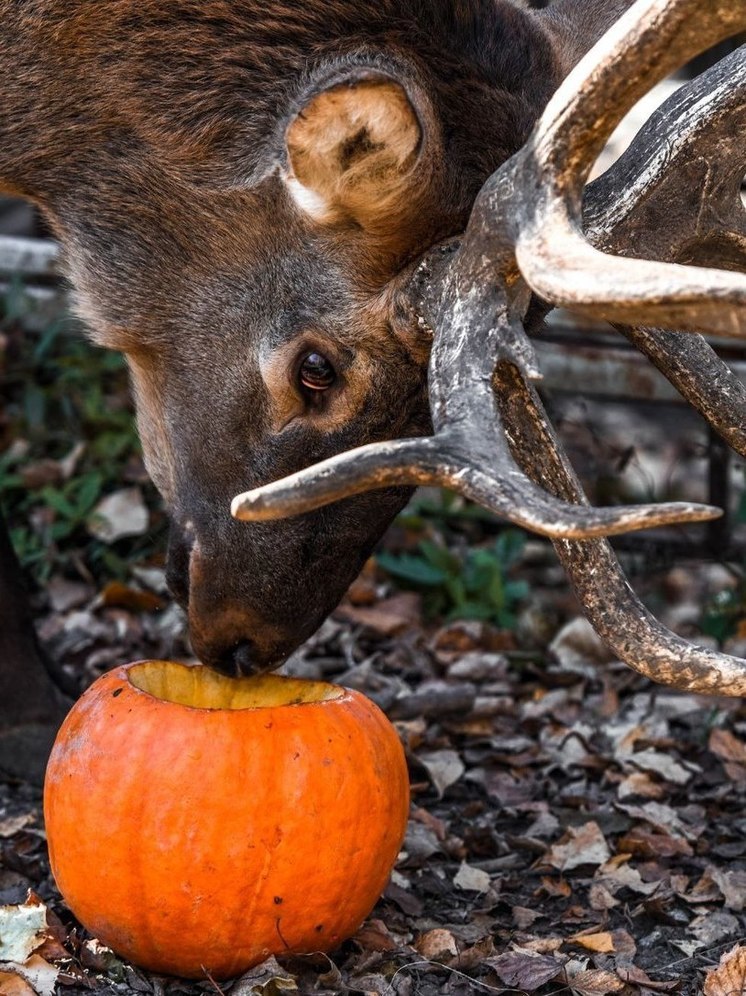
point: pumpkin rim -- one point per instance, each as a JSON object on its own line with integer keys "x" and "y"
{"x": 281, "y": 691}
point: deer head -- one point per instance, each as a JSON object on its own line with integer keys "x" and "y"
{"x": 242, "y": 192}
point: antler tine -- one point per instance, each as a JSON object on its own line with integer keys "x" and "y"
{"x": 553, "y": 255}
{"x": 698, "y": 373}
{"x": 442, "y": 461}
{"x": 632, "y": 292}
{"x": 399, "y": 463}
{"x": 608, "y": 600}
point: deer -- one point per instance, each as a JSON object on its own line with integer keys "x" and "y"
{"x": 243, "y": 193}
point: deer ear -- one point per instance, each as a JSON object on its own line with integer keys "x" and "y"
{"x": 351, "y": 152}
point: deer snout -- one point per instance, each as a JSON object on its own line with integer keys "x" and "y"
{"x": 238, "y": 656}
{"x": 229, "y": 631}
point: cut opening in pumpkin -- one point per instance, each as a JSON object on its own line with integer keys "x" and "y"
{"x": 201, "y": 688}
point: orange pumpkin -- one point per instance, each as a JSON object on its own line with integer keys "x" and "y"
{"x": 198, "y": 822}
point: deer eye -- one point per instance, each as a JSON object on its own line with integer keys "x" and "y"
{"x": 316, "y": 372}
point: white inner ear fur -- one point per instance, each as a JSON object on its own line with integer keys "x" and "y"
{"x": 351, "y": 151}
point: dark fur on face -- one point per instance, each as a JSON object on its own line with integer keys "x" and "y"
{"x": 171, "y": 145}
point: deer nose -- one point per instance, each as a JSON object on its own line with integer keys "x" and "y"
{"x": 249, "y": 649}
{"x": 240, "y": 660}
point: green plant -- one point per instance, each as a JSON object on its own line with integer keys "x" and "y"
{"x": 724, "y": 615}
{"x": 67, "y": 438}
{"x": 474, "y": 583}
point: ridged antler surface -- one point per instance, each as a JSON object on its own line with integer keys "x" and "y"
{"x": 655, "y": 228}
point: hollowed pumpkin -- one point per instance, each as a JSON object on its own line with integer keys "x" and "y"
{"x": 198, "y": 822}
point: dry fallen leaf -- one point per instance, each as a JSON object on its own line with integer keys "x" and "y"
{"x": 732, "y": 884}
{"x": 389, "y": 616}
{"x": 729, "y": 978}
{"x": 374, "y": 935}
{"x": 600, "y": 898}
{"x": 727, "y": 746}
{"x": 13, "y": 985}
{"x": 444, "y": 767}
{"x": 713, "y": 928}
{"x": 556, "y": 887}
{"x": 633, "y": 974}
{"x": 437, "y": 944}
{"x": 523, "y": 917}
{"x": 524, "y": 969}
{"x": 12, "y": 824}
{"x": 601, "y": 942}
{"x": 267, "y": 979}
{"x": 617, "y": 874}
{"x": 23, "y": 928}
{"x": 471, "y": 879}
{"x": 122, "y": 513}
{"x": 661, "y": 764}
{"x": 38, "y": 973}
{"x": 584, "y": 845}
{"x": 118, "y": 595}
{"x": 595, "y": 982}
{"x": 663, "y": 818}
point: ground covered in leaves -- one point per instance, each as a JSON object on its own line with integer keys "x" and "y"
{"x": 573, "y": 829}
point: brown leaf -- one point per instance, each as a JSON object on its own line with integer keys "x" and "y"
{"x": 40, "y": 473}
{"x": 601, "y": 898}
{"x": 729, "y": 978}
{"x": 427, "y": 819}
{"x": 595, "y": 982}
{"x": 524, "y": 969}
{"x": 584, "y": 845}
{"x": 38, "y": 973}
{"x": 118, "y": 595}
{"x": 437, "y": 944}
{"x": 524, "y": 918}
{"x": 444, "y": 767}
{"x": 93, "y": 954}
{"x": 471, "y": 879}
{"x": 473, "y": 957}
{"x": 122, "y": 513}
{"x": 712, "y": 928}
{"x": 732, "y": 884}
{"x": 633, "y": 974}
{"x": 556, "y": 887}
{"x": 374, "y": 935}
{"x": 663, "y": 818}
{"x": 727, "y": 746}
{"x": 601, "y": 942}
{"x": 640, "y": 784}
{"x": 13, "y": 985}
{"x": 267, "y": 979}
{"x": 388, "y": 617}
{"x": 12, "y": 824}
{"x": 653, "y": 845}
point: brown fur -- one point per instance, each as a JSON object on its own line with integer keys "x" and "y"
{"x": 152, "y": 133}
